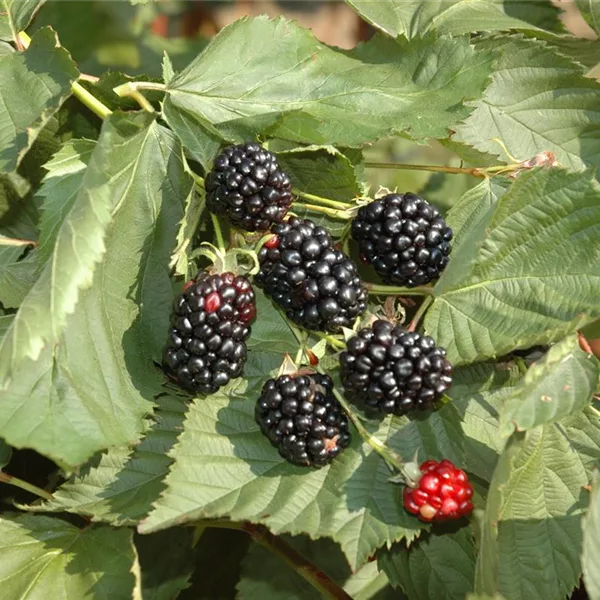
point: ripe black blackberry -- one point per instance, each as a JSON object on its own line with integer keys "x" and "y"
{"x": 210, "y": 323}
{"x": 394, "y": 370}
{"x": 247, "y": 186}
{"x": 302, "y": 419}
{"x": 404, "y": 238}
{"x": 316, "y": 284}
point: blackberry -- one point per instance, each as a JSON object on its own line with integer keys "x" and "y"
{"x": 317, "y": 285}
{"x": 302, "y": 419}
{"x": 247, "y": 186}
{"x": 404, "y": 238}
{"x": 442, "y": 493}
{"x": 209, "y": 326}
{"x": 393, "y": 370}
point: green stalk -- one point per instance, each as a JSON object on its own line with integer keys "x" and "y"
{"x": 390, "y": 290}
{"x": 129, "y": 90}
{"x": 24, "y": 485}
{"x": 322, "y": 201}
{"x": 314, "y": 576}
{"x": 330, "y": 212}
{"x": 420, "y": 312}
{"x": 218, "y": 233}
{"x": 334, "y": 343}
{"x": 480, "y": 172}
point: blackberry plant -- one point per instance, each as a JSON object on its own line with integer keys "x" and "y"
{"x": 119, "y": 146}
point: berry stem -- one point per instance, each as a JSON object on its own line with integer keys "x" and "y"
{"x": 24, "y": 485}
{"x": 333, "y": 342}
{"x": 392, "y": 458}
{"x": 322, "y": 201}
{"x": 420, "y": 312}
{"x": 199, "y": 180}
{"x": 330, "y": 212}
{"x": 218, "y": 233}
{"x": 390, "y": 290}
{"x": 87, "y": 99}
{"x": 261, "y": 535}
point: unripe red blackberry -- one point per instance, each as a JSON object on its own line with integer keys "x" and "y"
{"x": 394, "y": 370}
{"x": 209, "y": 326}
{"x": 404, "y": 238}
{"x": 302, "y": 419}
{"x": 317, "y": 285}
{"x": 442, "y": 493}
{"x": 247, "y": 186}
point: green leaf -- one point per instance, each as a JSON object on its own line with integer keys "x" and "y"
{"x": 413, "y": 18}
{"x": 43, "y": 557}
{"x": 590, "y": 10}
{"x": 95, "y": 380}
{"x": 15, "y": 16}
{"x": 538, "y": 101}
{"x": 60, "y": 189}
{"x": 5, "y": 449}
{"x": 293, "y": 87}
{"x": 120, "y": 485}
{"x": 438, "y": 565}
{"x": 266, "y": 577}
{"x": 514, "y": 286}
{"x": 479, "y": 393}
{"x": 534, "y": 511}
{"x": 224, "y": 466}
{"x": 563, "y": 382}
{"x": 16, "y": 276}
{"x": 166, "y": 563}
{"x": 591, "y": 543}
{"x": 5, "y": 321}
{"x": 33, "y": 85}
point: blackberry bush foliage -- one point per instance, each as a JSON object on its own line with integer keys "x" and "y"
{"x": 182, "y": 335}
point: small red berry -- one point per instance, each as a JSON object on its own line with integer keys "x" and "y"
{"x": 212, "y": 303}
{"x": 443, "y": 492}
{"x": 188, "y": 285}
{"x": 272, "y": 242}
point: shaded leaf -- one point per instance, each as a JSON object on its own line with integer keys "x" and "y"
{"x": 15, "y": 16}
{"x": 16, "y": 276}
{"x": 166, "y": 563}
{"x": 591, "y": 543}
{"x": 439, "y": 565}
{"x": 538, "y": 101}
{"x": 96, "y": 381}
{"x": 44, "y": 557}
{"x": 5, "y": 449}
{"x": 295, "y": 88}
{"x": 43, "y": 73}
{"x": 531, "y": 539}
{"x": 266, "y": 577}
{"x": 413, "y": 18}
{"x": 563, "y": 382}
{"x": 520, "y": 287}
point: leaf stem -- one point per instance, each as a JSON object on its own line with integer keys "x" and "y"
{"x": 391, "y": 457}
{"x": 481, "y": 172}
{"x": 142, "y": 85}
{"x": 87, "y": 99}
{"x": 390, "y": 290}
{"x": 322, "y": 201}
{"x": 333, "y": 342}
{"x": 24, "y": 485}
{"x": 420, "y": 312}
{"x": 6, "y": 241}
{"x": 198, "y": 179}
{"x": 128, "y": 90}
{"x": 218, "y": 233}
{"x": 330, "y": 212}
{"x": 260, "y": 534}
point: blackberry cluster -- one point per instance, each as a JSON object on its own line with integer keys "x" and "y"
{"x": 302, "y": 419}
{"x": 404, "y": 238}
{"x": 209, "y": 326}
{"x": 247, "y": 186}
{"x": 393, "y": 370}
{"x": 316, "y": 284}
